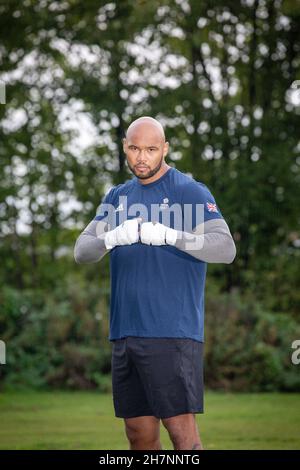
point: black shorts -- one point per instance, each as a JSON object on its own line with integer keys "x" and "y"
{"x": 161, "y": 377}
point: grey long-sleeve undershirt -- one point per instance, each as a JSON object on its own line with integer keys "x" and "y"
{"x": 210, "y": 242}
{"x": 90, "y": 246}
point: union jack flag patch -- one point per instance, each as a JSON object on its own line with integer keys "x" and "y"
{"x": 211, "y": 207}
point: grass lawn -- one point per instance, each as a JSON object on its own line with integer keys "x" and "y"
{"x": 85, "y": 420}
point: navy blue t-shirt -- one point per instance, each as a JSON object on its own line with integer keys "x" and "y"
{"x": 158, "y": 291}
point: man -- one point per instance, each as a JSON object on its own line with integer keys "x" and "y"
{"x": 158, "y": 270}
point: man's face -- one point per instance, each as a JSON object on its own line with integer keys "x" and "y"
{"x": 145, "y": 151}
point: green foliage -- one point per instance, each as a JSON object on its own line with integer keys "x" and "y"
{"x": 56, "y": 338}
{"x": 248, "y": 348}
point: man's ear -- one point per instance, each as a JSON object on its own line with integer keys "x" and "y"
{"x": 124, "y": 142}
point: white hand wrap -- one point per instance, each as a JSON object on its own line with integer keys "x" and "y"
{"x": 154, "y": 233}
{"x": 125, "y": 234}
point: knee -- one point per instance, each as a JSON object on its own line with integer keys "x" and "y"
{"x": 177, "y": 438}
{"x": 137, "y": 435}
{"x": 175, "y": 429}
{"x": 133, "y": 434}
{"x": 181, "y": 431}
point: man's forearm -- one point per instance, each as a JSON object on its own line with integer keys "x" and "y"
{"x": 90, "y": 246}
{"x": 215, "y": 245}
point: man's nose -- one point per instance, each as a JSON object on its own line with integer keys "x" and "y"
{"x": 141, "y": 158}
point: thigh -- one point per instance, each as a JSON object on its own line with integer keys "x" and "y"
{"x": 129, "y": 396}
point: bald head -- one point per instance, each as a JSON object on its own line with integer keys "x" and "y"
{"x": 146, "y": 124}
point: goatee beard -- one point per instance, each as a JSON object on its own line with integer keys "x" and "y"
{"x": 151, "y": 172}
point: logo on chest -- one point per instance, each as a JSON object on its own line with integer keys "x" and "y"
{"x": 164, "y": 204}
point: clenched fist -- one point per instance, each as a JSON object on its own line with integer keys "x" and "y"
{"x": 154, "y": 233}
{"x": 125, "y": 234}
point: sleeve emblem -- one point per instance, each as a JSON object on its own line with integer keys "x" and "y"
{"x": 211, "y": 207}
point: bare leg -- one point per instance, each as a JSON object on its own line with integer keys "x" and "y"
{"x": 183, "y": 432}
{"x": 143, "y": 433}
